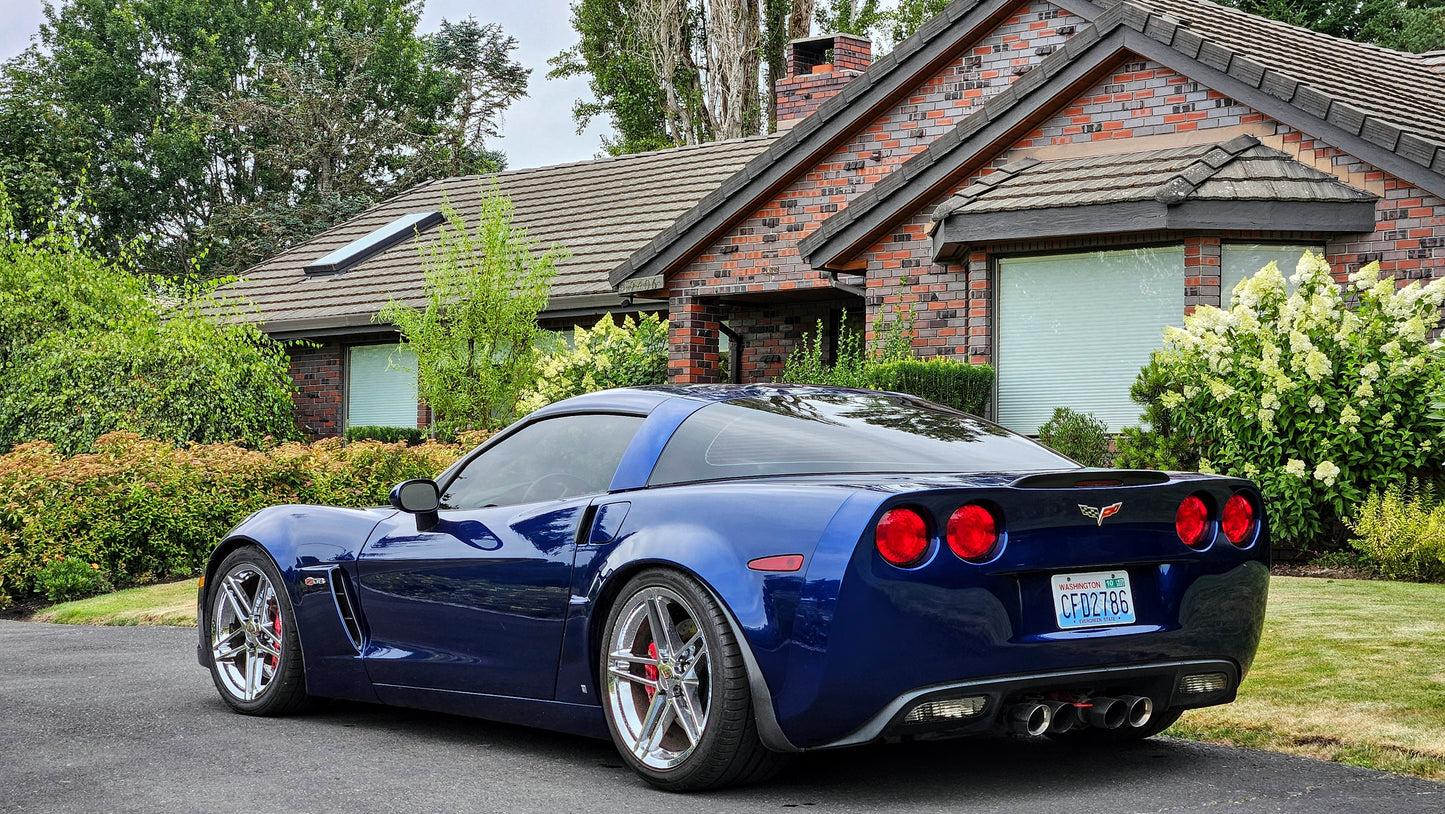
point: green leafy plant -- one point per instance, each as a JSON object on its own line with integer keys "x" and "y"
{"x": 476, "y": 339}
{"x": 607, "y": 355}
{"x": 144, "y": 510}
{"x": 853, "y": 363}
{"x": 411, "y": 436}
{"x": 1400, "y": 532}
{"x": 1080, "y": 436}
{"x": 889, "y": 365}
{"x": 62, "y": 579}
{"x": 951, "y": 383}
{"x": 88, "y": 347}
{"x": 1315, "y": 400}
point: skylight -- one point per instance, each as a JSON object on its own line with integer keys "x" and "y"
{"x": 378, "y": 241}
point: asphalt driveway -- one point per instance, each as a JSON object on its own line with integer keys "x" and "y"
{"x": 122, "y": 719}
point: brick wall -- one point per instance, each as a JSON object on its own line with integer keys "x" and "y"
{"x": 318, "y": 375}
{"x": 760, "y": 254}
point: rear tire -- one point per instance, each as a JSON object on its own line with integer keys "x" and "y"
{"x": 255, "y": 651}
{"x": 675, "y": 688}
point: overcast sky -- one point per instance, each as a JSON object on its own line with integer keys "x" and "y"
{"x": 538, "y": 129}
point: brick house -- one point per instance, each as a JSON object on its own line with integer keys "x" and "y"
{"x": 1046, "y": 185}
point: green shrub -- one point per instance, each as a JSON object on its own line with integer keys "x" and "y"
{"x": 1080, "y": 436}
{"x": 608, "y": 355}
{"x": 63, "y": 579}
{"x": 411, "y": 436}
{"x": 1400, "y": 532}
{"x": 1315, "y": 401}
{"x": 87, "y": 347}
{"x": 475, "y": 339}
{"x": 955, "y": 384}
{"x": 145, "y": 510}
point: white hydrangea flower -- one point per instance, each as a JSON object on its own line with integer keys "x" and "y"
{"x": 1349, "y": 417}
{"x": 1295, "y": 467}
{"x": 1364, "y": 391}
{"x": 1370, "y": 371}
{"x": 1366, "y": 276}
{"x": 1219, "y": 389}
{"x": 1317, "y": 365}
{"x": 1412, "y": 330}
{"x": 1327, "y": 472}
{"x": 1387, "y": 421}
{"x": 1171, "y": 399}
{"x": 1317, "y": 403}
{"x": 1269, "y": 401}
{"x": 1266, "y": 421}
{"x": 1206, "y": 467}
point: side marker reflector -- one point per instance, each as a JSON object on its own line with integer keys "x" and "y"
{"x": 779, "y": 562}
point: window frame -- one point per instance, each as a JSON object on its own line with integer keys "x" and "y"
{"x": 346, "y": 388}
{"x": 994, "y": 269}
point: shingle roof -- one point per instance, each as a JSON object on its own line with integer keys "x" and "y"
{"x": 601, "y": 210}
{"x": 1238, "y": 170}
{"x": 1394, "y": 86}
{"x": 1195, "y": 36}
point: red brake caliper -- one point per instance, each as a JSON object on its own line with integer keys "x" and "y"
{"x": 276, "y": 626}
{"x": 650, "y": 670}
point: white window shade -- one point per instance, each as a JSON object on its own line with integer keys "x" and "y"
{"x": 1241, "y": 260}
{"x": 381, "y": 386}
{"x": 1073, "y": 331}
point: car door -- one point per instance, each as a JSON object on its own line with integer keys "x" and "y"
{"x": 477, "y": 603}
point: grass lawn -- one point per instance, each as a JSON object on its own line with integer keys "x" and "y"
{"x": 1349, "y": 670}
{"x": 173, "y": 603}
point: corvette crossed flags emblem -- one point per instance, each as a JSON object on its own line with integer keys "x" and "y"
{"x": 1100, "y": 513}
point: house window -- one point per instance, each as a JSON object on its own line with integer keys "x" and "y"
{"x": 1073, "y": 331}
{"x": 1241, "y": 260}
{"x": 381, "y": 386}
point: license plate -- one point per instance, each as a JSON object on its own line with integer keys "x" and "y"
{"x": 1093, "y": 599}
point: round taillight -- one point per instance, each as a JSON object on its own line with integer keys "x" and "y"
{"x": 1237, "y": 519}
{"x": 902, "y": 537}
{"x": 1192, "y": 521}
{"x": 972, "y": 532}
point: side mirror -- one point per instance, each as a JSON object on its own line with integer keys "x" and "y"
{"x": 420, "y": 497}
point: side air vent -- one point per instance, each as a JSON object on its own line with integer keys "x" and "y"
{"x": 344, "y": 607}
{"x": 1091, "y": 479}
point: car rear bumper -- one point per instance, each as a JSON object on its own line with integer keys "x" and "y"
{"x": 1167, "y": 683}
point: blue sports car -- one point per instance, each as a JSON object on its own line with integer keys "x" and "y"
{"x": 717, "y": 576}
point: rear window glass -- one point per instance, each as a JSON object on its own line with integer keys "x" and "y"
{"x": 818, "y": 434}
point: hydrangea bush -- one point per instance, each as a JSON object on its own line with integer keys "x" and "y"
{"x": 1318, "y": 395}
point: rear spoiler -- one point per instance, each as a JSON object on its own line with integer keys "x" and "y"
{"x": 1091, "y": 479}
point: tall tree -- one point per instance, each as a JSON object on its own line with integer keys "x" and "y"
{"x": 856, "y": 17}
{"x": 228, "y": 129}
{"x": 674, "y": 72}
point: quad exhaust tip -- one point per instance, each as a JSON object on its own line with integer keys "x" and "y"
{"x": 1029, "y": 718}
{"x": 1141, "y": 709}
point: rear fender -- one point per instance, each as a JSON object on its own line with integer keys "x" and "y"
{"x": 320, "y": 543}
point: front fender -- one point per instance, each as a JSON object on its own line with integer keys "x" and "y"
{"x": 323, "y": 541}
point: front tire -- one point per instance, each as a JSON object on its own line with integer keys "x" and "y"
{"x": 255, "y": 652}
{"x": 675, "y": 688}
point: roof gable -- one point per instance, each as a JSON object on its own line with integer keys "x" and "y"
{"x": 1130, "y": 28}
{"x": 813, "y": 138}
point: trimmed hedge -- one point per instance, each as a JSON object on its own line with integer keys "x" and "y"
{"x": 141, "y": 511}
{"x": 954, "y": 384}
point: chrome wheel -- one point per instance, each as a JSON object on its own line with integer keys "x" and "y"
{"x": 246, "y": 632}
{"x": 658, "y": 677}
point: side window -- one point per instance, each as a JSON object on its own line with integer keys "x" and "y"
{"x": 555, "y": 458}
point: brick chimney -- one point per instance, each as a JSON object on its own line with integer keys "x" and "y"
{"x": 819, "y": 67}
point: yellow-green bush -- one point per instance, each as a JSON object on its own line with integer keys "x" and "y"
{"x": 1400, "y": 531}
{"x": 145, "y": 510}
